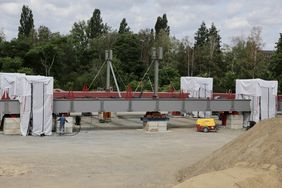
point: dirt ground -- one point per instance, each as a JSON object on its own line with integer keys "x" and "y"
{"x": 119, "y": 154}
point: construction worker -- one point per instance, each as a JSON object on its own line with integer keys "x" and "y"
{"x": 62, "y": 120}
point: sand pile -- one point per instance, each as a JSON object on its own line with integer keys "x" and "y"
{"x": 258, "y": 152}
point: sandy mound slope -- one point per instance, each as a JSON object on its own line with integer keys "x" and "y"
{"x": 257, "y": 150}
{"x": 234, "y": 177}
{"x": 12, "y": 170}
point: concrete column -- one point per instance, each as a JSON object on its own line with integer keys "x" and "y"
{"x": 108, "y": 58}
{"x": 157, "y": 55}
{"x": 108, "y": 76}
{"x": 156, "y": 80}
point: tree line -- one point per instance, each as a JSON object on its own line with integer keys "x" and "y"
{"x": 76, "y": 58}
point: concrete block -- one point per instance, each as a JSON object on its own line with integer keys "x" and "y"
{"x": 235, "y": 121}
{"x": 12, "y": 126}
{"x": 86, "y": 120}
{"x": 155, "y": 126}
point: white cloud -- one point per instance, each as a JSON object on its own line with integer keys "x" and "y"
{"x": 234, "y": 7}
{"x": 232, "y": 18}
{"x": 237, "y": 23}
{"x": 10, "y": 8}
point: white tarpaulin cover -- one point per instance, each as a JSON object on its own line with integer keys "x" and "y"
{"x": 35, "y": 94}
{"x": 42, "y": 103}
{"x": 263, "y": 96}
{"x": 25, "y": 110}
{"x": 8, "y": 83}
{"x": 198, "y": 87}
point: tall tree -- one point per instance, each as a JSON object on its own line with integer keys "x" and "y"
{"x": 184, "y": 57}
{"x": 161, "y": 24}
{"x": 95, "y": 26}
{"x": 147, "y": 41}
{"x": 215, "y": 66}
{"x": 201, "y": 52}
{"x": 165, "y": 27}
{"x": 123, "y": 27}
{"x": 164, "y": 41}
{"x": 238, "y": 58}
{"x": 44, "y": 33}
{"x": 2, "y": 35}
{"x": 254, "y": 47}
{"x": 201, "y": 36}
{"x": 26, "y": 27}
{"x": 214, "y": 41}
{"x": 127, "y": 49}
{"x": 276, "y": 63}
{"x": 79, "y": 35}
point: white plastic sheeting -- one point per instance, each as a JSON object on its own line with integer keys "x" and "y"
{"x": 25, "y": 110}
{"x": 198, "y": 87}
{"x": 263, "y": 95}
{"x": 41, "y": 90}
{"x": 35, "y": 94}
{"x": 8, "y": 83}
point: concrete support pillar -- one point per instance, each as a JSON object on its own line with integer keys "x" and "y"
{"x": 108, "y": 78}
{"x": 157, "y": 55}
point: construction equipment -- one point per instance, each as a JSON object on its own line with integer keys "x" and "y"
{"x": 154, "y": 116}
{"x": 206, "y": 125}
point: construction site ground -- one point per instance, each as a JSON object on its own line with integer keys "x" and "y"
{"x": 104, "y": 155}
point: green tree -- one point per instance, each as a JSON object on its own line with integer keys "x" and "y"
{"x": 26, "y": 70}
{"x": 276, "y": 63}
{"x": 79, "y": 35}
{"x": 147, "y": 39}
{"x": 216, "y": 68}
{"x": 9, "y": 64}
{"x": 26, "y": 27}
{"x": 15, "y": 48}
{"x": 46, "y": 55}
{"x": 213, "y": 42}
{"x": 2, "y": 36}
{"x": 44, "y": 33}
{"x": 201, "y": 51}
{"x": 95, "y": 26}
{"x": 169, "y": 78}
{"x": 244, "y": 60}
{"x": 127, "y": 49}
{"x": 123, "y": 27}
{"x": 163, "y": 40}
{"x": 208, "y": 56}
{"x": 201, "y": 36}
{"x": 254, "y": 46}
{"x": 184, "y": 57}
{"x": 161, "y": 24}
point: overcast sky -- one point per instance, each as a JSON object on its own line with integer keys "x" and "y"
{"x": 231, "y": 17}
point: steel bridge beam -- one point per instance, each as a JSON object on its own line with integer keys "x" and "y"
{"x": 135, "y": 105}
{"x": 141, "y": 105}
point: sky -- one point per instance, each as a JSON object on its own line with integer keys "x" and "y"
{"x": 233, "y": 18}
